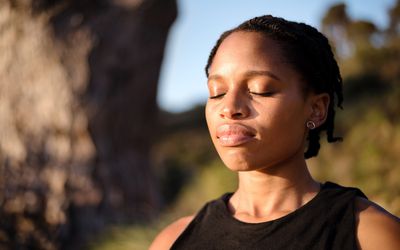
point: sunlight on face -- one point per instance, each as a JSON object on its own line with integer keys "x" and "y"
{"x": 256, "y": 111}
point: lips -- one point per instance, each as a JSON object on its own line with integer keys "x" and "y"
{"x": 231, "y": 135}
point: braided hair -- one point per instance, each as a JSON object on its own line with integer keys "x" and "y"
{"x": 309, "y": 52}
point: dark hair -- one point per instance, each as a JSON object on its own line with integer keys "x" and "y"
{"x": 309, "y": 52}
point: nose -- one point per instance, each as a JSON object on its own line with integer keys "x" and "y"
{"x": 235, "y": 106}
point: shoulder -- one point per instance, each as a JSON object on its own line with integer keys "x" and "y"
{"x": 376, "y": 228}
{"x": 167, "y": 237}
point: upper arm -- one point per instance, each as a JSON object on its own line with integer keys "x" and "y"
{"x": 167, "y": 237}
{"x": 376, "y": 228}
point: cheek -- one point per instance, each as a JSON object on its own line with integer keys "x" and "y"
{"x": 289, "y": 111}
{"x": 279, "y": 113}
{"x": 210, "y": 117}
{"x": 284, "y": 122}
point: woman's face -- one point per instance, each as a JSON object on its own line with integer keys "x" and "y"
{"x": 256, "y": 113}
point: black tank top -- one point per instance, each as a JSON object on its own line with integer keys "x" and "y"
{"x": 325, "y": 222}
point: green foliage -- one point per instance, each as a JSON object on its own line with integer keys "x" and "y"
{"x": 178, "y": 158}
{"x": 125, "y": 237}
{"x": 394, "y": 15}
{"x": 336, "y": 14}
{"x": 210, "y": 182}
{"x": 368, "y": 157}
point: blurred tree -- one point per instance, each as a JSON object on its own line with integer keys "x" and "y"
{"x": 360, "y": 45}
{"x": 392, "y": 48}
{"x": 336, "y": 15}
{"x": 368, "y": 157}
{"x": 394, "y": 17}
{"x": 78, "y": 116}
{"x": 360, "y": 32}
{"x": 334, "y": 25}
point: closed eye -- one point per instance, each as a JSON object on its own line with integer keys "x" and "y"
{"x": 217, "y": 96}
{"x": 266, "y": 94}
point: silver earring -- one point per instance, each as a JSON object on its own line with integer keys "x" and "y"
{"x": 311, "y": 125}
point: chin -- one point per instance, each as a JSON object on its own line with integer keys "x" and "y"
{"x": 238, "y": 165}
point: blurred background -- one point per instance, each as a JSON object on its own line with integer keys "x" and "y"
{"x": 103, "y": 140}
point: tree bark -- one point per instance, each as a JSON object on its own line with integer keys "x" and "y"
{"x": 78, "y": 85}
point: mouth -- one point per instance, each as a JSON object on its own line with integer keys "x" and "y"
{"x": 231, "y": 135}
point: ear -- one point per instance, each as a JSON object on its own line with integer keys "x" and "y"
{"x": 319, "y": 108}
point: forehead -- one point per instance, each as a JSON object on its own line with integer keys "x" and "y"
{"x": 252, "y": 49}
{"x": 248, "y": 51}
{"x": 251, "y": 39}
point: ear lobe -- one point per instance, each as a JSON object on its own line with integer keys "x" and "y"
{"x": 319, "y": 106}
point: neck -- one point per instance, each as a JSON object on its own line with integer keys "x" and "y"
{"x": 272, "y": 192}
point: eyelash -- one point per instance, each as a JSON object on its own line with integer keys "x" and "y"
{"x": 217, "y": 96}
{"x": 266, "y": 94}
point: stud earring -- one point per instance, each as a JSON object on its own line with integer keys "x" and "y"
{"x": 311, "y": 125}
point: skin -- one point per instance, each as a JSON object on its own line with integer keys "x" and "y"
{"x": 263, "y": 138}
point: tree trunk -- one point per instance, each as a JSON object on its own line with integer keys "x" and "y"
{"x": 78, "y": 85}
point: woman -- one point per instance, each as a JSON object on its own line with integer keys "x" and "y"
{"x": 273, "y": 87}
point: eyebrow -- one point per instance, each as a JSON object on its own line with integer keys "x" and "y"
{"x": 250, "y": 74}
{"x": 253, "y": 73}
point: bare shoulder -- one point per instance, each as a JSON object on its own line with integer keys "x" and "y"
{"x": 167, "y": 237}
{"x": 376, "y": 228}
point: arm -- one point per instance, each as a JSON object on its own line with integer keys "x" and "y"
{"x": 167, "y": 237}
{"x": 376, "y": 228}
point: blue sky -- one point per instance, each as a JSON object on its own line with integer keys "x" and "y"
{"x": 200, "y": 22}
